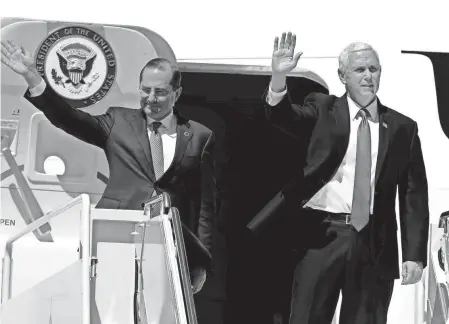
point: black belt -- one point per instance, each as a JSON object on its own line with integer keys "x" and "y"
{"x": 340, "y": 218}
{"x": 331, "y": 217}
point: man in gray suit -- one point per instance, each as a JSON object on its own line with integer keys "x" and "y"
{"x": 149, "y": 150}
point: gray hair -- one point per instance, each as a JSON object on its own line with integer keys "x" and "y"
{"x": 353, "y": 47}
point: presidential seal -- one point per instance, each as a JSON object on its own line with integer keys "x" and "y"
{"x": 78, "y": 64}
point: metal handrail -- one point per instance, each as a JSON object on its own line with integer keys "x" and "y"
{"x": 85, "y": 251}
{"x": 30, "y": 200}
{"x": 183, "y": 267}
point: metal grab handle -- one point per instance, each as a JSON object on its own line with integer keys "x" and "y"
{"x": 443, "y": 223}
{"x": 183, "y": 266}
{"x": 164, "y": 200}
{"x": 442, "y": 253}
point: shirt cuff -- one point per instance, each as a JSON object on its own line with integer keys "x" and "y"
{"x": 273, "y": 98}
{"x": 38, "y": 90}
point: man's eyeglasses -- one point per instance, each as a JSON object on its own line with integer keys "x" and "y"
{"x": 158, "y": 92}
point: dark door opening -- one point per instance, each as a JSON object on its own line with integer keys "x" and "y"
{"x": 253, "y": 161}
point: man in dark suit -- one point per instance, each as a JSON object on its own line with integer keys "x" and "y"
{"x": 149, "y": 150}
{"x": 342, "y": 221}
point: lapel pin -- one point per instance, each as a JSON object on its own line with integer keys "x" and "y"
{"x": 384, "y": 125}
{"x": 186, "y": 133}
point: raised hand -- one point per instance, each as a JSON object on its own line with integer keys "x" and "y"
{"x": 20, "y": 61}
{"x": 283, "y": 61}
{"x": 17, "y": 58}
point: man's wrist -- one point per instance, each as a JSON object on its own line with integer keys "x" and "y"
{"x": 419, "y": 263}
{"x": 278, "y": 82}
{"x": 32, "y": 78}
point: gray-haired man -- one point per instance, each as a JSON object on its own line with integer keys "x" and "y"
{"x": 343, "y": 220}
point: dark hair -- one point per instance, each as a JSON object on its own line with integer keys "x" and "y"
{"x": 162, "y": 63}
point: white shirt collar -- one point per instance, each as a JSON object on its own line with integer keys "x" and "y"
{"x": 169, "y": 122}
{"x": 354, "y": 109}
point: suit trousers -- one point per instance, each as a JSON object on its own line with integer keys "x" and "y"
{"x": 333, "y": 257}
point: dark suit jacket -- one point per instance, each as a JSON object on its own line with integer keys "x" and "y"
{"x": 323, "y": 125}
{"x": 122, "y": 134}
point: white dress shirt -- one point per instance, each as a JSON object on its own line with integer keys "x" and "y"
{"x": 167, "y": 129}
{"x": 336, "y": 195}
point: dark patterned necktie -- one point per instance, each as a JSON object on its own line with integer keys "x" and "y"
{"x": 362, "y": 180}
{"x": 157, "y": 154}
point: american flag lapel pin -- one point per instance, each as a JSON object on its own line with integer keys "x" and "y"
{"x": 384, "y": 124}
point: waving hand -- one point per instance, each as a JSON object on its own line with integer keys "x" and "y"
{"x": 19, "y": 60}
{"x": 284, "y": 60}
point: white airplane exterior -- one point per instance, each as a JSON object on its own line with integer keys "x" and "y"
{"x": 55, "y": 168}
